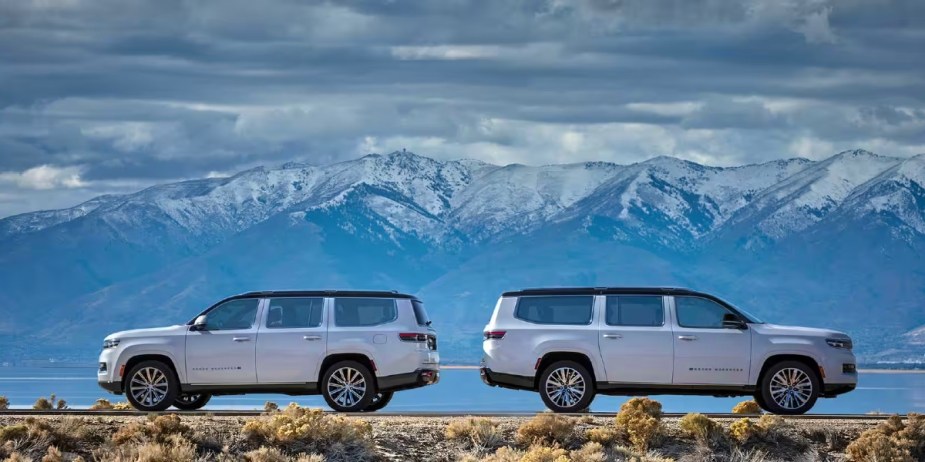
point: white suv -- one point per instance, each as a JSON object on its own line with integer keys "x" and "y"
{"x": 571, "y": 343}
{"x": 355, "y": 348}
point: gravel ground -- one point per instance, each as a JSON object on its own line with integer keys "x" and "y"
{"x": 422, "y": 438}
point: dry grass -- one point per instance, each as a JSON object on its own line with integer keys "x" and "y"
{"x": 302, "y": 430}
{"x": 747, "y": 407}
{"x": 158, "y": 429}
{"x": 265, "y": 454}
{"x": 172, "y": 448}
{"x": 894, "y": 440}
{"x": 546, "y": 428}
{"x": 477, "y": 433}
{"x": 103, "y": 404}
{"x": 35, "y": 435}
{"x": 590, "y": 452}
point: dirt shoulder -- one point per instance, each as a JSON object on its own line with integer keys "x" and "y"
{"x": 422, "y": 438}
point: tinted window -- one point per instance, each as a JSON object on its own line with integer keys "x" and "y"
{"x": 233, "y": 315}
{"x": 363, "y": 311}
{"x": 699, "y": 312}
{"x": 555, "y": 310}
{"x": 294, "y": 312}
{"x": 419, "y": 313}
{"x": 635, "y": 310}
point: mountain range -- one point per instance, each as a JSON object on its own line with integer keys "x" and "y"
{"x": 837, "y": 242}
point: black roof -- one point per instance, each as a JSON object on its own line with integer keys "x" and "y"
{"x": 326, "y": 293}
{"x": 604, "y": 291}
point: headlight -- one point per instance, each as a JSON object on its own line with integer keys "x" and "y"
{"x": 841, "y": 343}
{"x": 110, "y": 343}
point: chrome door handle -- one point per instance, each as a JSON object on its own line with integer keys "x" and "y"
{"x": 311, "y": 337}
{"x": 241, "y": 339}
{"x": 613, "y": 336}
{"x": 687, "y": 337}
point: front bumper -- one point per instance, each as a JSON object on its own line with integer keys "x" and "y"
{"x": 112, "y": 387}
{"x": 416, "y": 379}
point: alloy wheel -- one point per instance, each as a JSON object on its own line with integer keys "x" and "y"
{"x": 149, "y": 386}
{"x": 565, "y": 387}
{"x": 791, "y": 388}
{"x": 346, "y": 386}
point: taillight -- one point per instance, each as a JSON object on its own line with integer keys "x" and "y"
{"x": 495, "y": 334}
{"x": 412, "y": 337}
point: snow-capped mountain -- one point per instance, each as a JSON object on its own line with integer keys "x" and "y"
{"x": 833, "y": 242}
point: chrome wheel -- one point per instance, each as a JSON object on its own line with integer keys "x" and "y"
{"x": 346, "y": 386}
{"x": 149, "y": 386}
{"x": 565, "y": 387}
{"x": 791, "y": 388}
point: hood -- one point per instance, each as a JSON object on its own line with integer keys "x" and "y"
{"x": 798, "y": 331}
{"x": 155, "y": 331}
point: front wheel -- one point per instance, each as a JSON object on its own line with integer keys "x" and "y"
{"x": 348, "y": 387}
{"x": 380, "y": 401}
{"x": 566, "y": 386}
{"x": 151, "y": 386}
{"x": 789, "y": 388}
{"x": 191, "y": 401}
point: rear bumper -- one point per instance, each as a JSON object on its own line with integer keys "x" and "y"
{"x": 416, "y": 379}
{"x": 497, "y": 379}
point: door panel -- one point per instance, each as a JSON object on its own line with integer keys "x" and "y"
{"x": 635, "y": 340}
{"x": 223, "y": 354}
{"x": 705, "y": 353}
{"x": 292, "y": 340}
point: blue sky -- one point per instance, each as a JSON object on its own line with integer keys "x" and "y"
{"x": 109, "y": 96}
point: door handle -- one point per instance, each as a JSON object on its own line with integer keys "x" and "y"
{"x": 311, "y": 337}
{"x": 687, "y": 337}
{"x": 241, "y": 339}
{"x": 613, "y": 336}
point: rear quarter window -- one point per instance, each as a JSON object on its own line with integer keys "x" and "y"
{"x": 359, "y": 312}
{"x": 556, "y": 309}
{"x": 420, "y": 314}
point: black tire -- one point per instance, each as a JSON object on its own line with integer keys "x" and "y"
{"x": 163, "y": 390}
{"x": 191, "y": 401}
{"x": 351, "y": 398}
{"x": 380, "y": 401}
{"x": 578, "y": 393}
{"x": 760, "y": 400}
{"x": 789, "y": 388}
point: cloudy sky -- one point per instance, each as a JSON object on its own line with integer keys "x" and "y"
{"x": 102, "y": 96}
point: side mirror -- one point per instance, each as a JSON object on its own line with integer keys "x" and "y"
{"x": 731, "y": 321}
{"x": 199, "y": 323}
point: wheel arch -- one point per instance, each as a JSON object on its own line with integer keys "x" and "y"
{"x": 551, "y": 357}
{"x": 338, "y": 357}
{"x": 139, "y": 358}
{"x": 809, "y": 361}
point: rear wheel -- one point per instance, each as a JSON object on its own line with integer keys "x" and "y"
{"x": 789, "y": 388}
{"x": 151, "y": 386}
{"x": 380, "y": 401}
{"x": 191, "y": 401}
{"x": 566, "y": 386}
{"x": 348, "y": 387}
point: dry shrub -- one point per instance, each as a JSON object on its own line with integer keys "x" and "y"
{"x": 700, "y": 427}
{"x": 157, "y": 428}
{"x": 65, "y": 433}
{"x": 744, "y": 430}
{"x": 590, "y": 452}
{"x": 270, "y": 406}
{"x": 546, "y": 428}
{"x": 747, "y": 407}
{"x": 265, "y": 454}
{"x": 17, "y": 457}
{"x": 299, "y": 429}
{"x": 4, "y": 402}
{"x": 640, "y": 418}
{"x": 893, "y": 440}
{"x": 173, "y": 448}
{"x": 122, "y": 406}
{"x": 53, "y": 455}
{"x": 50, "y": 403}
{"x": 475, "y": 432}
{"x": 767, "y": 428}
{"x": 607, "y": 435}
{"x": 101, "y": 404}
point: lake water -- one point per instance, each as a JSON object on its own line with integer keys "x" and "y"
{"x": 461, "y": 390}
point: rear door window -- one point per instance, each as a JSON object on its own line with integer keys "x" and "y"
{"x": 294, "y": 313}
{"x": 358, "y": 312}
{"x": 558, "y": 309}
{"x": 635, "y": 310}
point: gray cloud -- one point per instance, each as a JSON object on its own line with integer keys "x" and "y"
{"x": 110, "y": 95}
